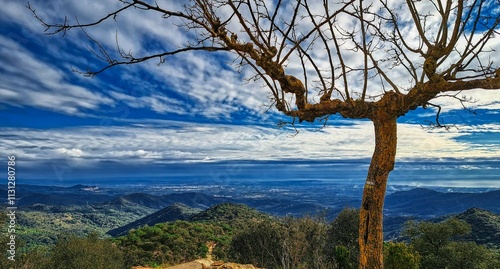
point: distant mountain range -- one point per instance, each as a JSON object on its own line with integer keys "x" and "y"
{"x": 45, "y": 211}
{"x": 425, "y": 203}
{"x": 485, "y": 225}
{"x": 191, "y": 199}
{"x": 418, "y": 202}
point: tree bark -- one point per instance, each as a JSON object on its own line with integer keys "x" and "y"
{"x": 370, "y": 221}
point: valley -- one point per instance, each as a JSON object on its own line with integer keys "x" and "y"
{"x": 46, "y": 211}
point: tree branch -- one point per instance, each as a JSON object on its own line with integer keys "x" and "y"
{"x": 263, "y": 31}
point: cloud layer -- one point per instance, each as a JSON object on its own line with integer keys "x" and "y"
{"x": 166, "y": 141}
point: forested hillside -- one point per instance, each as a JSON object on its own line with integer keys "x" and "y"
{"x": 238, "y": 233}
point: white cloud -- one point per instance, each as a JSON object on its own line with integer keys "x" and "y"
{"x": 206, "y": 78}
{"x": 484, "y": 99}
{"x": 202, "y": 77}
{"x": 180, "y": 142}
{"x": 70, "y": 152}
{"x": 158, "y": 103}
{"x": 41, "y": 84}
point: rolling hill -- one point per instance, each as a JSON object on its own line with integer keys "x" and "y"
{"x": 425, "y": 203}
{"x": 80, "y": 209}
{"x": 227, "y": 213}
{"x": 485, "y": 226}
{"x": 170, "y": 213}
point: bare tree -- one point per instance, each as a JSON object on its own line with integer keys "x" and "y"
{"x": 352, "y": 56}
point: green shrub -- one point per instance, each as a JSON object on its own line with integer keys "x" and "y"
{"x": 343, "y": 233}
{"x": 174, "y": 242}
{"x": 400, "y": 256}
{"x": 261, "y": 244}
{"x": 438, "y": 246}
{"x": 89, "y": 252}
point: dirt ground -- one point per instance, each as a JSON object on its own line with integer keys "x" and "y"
{"x": 196, "y": 265}
{"x": 190, "y": 265}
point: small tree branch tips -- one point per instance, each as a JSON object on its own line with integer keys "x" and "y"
{"x": 374, "y": 59}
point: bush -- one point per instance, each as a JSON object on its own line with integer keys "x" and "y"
{"x": 35, "y": 258}
{"x": 293, "y": 243}
{"x": 438, "y": 246}
{"x": 400, "y": 256}
{"x": 342, "y": 248}
{"x": 174, "y": 242}
{"x": 296, "y": 243}
{"x": 260, "y": 244}
{"x": 90, "y": 252}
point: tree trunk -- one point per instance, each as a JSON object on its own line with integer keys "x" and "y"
{"x": 370, "y": 220}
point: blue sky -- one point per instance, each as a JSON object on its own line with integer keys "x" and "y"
{"x": 195, "y": 111}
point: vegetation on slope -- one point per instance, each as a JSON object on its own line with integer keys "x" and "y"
{"x": 170, "y": 213}
{"x": 181, "y": 241}
{"x": 442, "y": 245}
{"x": 241, "y": 234}
{"x": 41, "y": 224}
{"x": 236, "y": 215}
{"x": 71, "y": 252}
{"x": 174, "y": 242}
{"x": 485, "y": 227}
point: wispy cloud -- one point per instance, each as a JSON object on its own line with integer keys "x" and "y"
{"x": 41, "y": 84}
{"x": 215, "y": 89}
{"x": 208, "y": 80}
{"x": 180, "y": 142}
{"x": 156, "y": 102}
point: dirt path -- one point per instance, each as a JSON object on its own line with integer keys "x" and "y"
{"x": 190, "y": 265}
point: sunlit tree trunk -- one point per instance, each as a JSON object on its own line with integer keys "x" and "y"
{"x": 371, "y": 215}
